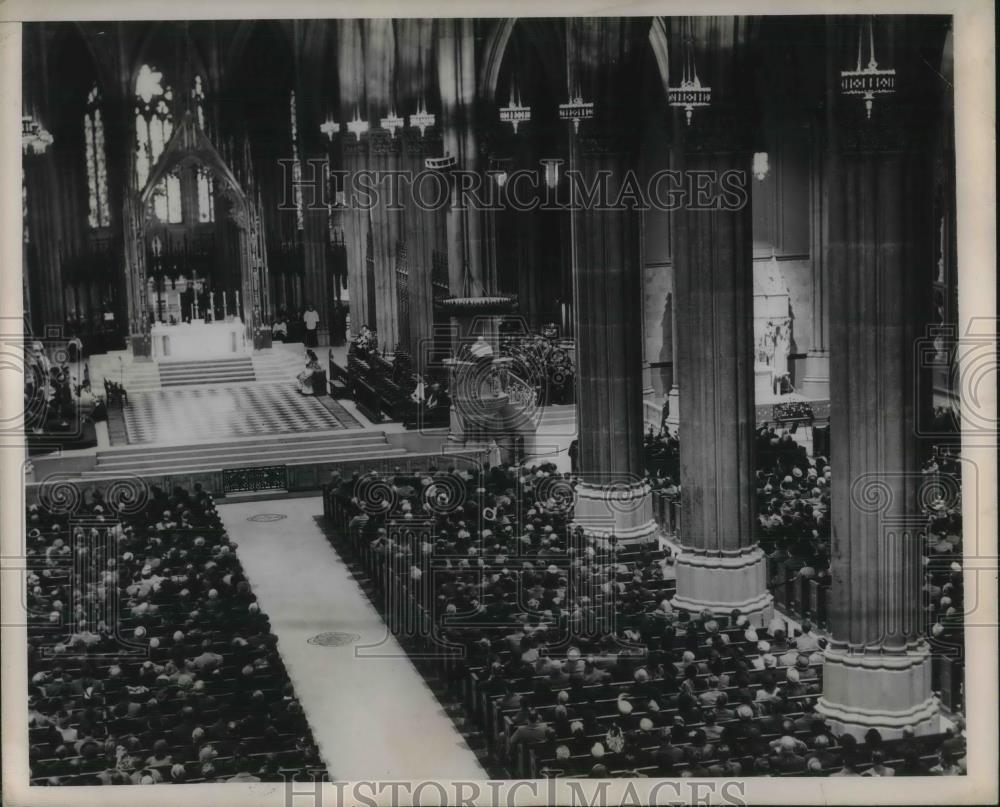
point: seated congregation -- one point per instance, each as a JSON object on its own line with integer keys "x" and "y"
{"x": 568, "y": 655}
{"x": 161, "y": 667}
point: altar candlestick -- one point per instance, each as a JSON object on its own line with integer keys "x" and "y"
{"x": 225, "y": 310}
{"x": 211, "y": 305}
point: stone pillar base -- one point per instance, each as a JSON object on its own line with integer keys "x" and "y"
{"x": 722, "y": 581}
{"x": 816, "y": 379}
{"x": 878, "y": 690}
{"x": 674, "y": 407}
{"x": 624, "y": 510}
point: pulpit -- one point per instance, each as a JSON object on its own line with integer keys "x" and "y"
{"x": 200, "y": 340}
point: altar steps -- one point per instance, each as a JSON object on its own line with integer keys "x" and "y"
{"x": 285, "y": 449}
{"x": 238, "y": 370}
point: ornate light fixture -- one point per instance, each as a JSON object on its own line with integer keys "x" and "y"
{"x": 515, "y": 112}
{"x": 356, "y": 126}
{"x": 689, "y": 94}
{"x": 871, "y": 80}
{"x": 576, "y": 110}
{"x": 392, "y": 122}
{"x": 34, "y": 137}
{"x": 330, "y": 128}
{"x": 422, "y": 119}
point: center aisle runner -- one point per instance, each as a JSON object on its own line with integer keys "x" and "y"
{"x": 372, "y": 718}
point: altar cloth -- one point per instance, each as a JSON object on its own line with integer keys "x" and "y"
{"x": 199, "y": 340}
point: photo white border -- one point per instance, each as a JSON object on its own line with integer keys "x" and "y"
{"x": 975, "y": 127}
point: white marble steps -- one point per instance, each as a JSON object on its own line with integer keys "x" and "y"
{"x": 281, "y": 449}
{"x": 236, "y": 370}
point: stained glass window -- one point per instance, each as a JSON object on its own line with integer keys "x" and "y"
{"x": 296, "y": 165}
{"x": 153, "y": 127}
{"x": 97, "y": 170}
{"x": 198, "y": 93}
{"x": 206, "y": 190}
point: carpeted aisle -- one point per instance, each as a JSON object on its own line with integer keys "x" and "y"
{"x": 372, "y": 718}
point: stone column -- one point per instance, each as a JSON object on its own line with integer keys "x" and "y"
{"x": 720, "y": 566}
{"x": 419, "y": 223}
{"x": 467, "y": 271}
{"x": 613, "y": 497}
{"x": 674, "y": 394}
{"x": 42, "y": 177}
{"x": 877, "y": 671}
{"x": 420, "y": 231}
{"x": 353, "y": 153}
{"x": 383, "y": 158}
{"x": 816, "y": 378}
{"x": 309, "y": 50}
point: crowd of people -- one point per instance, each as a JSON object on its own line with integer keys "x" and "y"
{"x": 544, "y": 363}
{"x": 943, "y": 579}
{"x": 585, "y": 666}
{"x": 793, "y": 502}
{"x": 152, "y": 663}
{"x": 299, "y": 325}
{"x": 793, "y": 507}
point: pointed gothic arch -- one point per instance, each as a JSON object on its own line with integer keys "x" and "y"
{"x": 190, "y": 146}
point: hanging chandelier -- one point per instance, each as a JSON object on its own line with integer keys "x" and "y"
{"x": 356, "y": 126}
{"x": 871, "y": 80}
{"x": 689, "y": 94}
{"x": 422, "y": 119}
{"x": 575, "y": 109}
{"x": 35, "y": 138}
{"x": 330, "y": 128}
{"x": 515, "y": 113}
{"x": 392, "y": 122}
